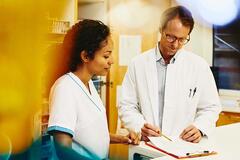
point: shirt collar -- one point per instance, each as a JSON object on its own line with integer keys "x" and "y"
{"x": 159, "y": 57}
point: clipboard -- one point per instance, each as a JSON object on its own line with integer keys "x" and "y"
{"x": 200, "y": 153}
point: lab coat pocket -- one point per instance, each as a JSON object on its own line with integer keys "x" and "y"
{"x": 192, "y": 103}
{"x": 192, "y": 110}
{"x": 192, "y": 100}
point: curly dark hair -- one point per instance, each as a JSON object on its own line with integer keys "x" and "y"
{"x": 86, "y": 35}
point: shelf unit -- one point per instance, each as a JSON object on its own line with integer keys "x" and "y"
{"x": 226, "y": 60}
{"x": 226, "y": 55}
{"x": 85, "y": 8}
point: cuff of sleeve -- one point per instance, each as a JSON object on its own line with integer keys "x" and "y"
{"x": 61, "y": 129}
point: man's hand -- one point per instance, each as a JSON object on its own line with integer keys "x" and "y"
{"x": 149, "y": 130}
{"x": 191, "y": 134}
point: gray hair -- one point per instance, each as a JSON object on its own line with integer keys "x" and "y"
{"x": 181, "y": 12}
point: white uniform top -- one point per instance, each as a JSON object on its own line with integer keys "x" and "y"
{"x": 75, "y": 111}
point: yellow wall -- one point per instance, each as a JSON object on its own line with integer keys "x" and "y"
{"x": 22, "y": 38}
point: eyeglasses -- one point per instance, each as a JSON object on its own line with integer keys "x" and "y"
{"x": 172, "y": 38}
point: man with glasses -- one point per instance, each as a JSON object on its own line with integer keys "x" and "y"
{"x": 168, "y": 90}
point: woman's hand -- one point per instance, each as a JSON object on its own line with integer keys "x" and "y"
{"x": 131, "y": 138}
{"x": 134, "y": 137}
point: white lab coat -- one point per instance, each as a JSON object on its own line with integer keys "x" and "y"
{"x": 139, "y": 99}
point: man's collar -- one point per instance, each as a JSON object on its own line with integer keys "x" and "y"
{"x": 160, "y": 58}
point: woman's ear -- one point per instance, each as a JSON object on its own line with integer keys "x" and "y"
{"x": 84, "y": 56}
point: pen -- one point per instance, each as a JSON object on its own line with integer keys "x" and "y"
{"x": 201, "y": 154}
{"x": 190, "y": 91}
{"x": 198, "y": 154}
{"x": 204, "y": 152}
{"x": 166, "y": 137}
{"x": 194, "y": 91}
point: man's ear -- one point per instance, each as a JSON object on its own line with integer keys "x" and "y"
{"x": 160, "y": 30}
{"x": 84, "y": 56}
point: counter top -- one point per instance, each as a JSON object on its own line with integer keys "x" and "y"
{"x": 225, "y": 140}
{"x": 231, "y": 109}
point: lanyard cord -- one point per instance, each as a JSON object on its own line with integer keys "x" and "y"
{"x": 84, "y": 91}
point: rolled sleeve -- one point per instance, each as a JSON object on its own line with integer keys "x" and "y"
{"x": 62, "y": 110}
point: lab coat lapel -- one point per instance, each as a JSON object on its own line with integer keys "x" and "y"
{"x": 152, "y": 85}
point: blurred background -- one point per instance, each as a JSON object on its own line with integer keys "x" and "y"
{"x": 31, "y": 33}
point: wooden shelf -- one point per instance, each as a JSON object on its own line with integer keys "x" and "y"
{"x": 224, "y": 50}
{"x": 56, "y": 37}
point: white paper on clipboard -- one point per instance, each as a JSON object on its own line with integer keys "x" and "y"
{"x": 178, "y": 147}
